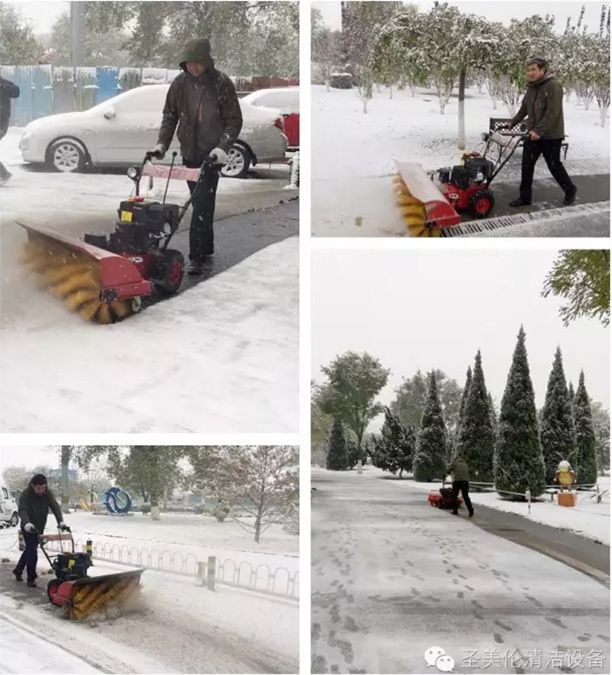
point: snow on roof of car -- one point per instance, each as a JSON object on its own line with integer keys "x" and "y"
{"x": 286, "y": 99}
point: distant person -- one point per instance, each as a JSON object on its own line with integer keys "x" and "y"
{"x": 202, "y": 101}
{"x": 543, "y": 107}
{"x": 8, "y": 90}
{"x": 34, "y": 505}
{"x": 461, "y": 483}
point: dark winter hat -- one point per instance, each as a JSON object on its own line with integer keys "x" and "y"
{"x": 197, "y": 51}
{"x": 541, "y": 63}
{"x": 39, "y": 479}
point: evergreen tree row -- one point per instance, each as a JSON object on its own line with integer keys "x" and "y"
{"x": 516, "y": 451}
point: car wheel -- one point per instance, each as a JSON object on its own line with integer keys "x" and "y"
{"x": 67, "y": 156}
{"x": 238, "y": 163}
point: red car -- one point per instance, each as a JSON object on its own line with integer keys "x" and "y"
{"x": 287, "y": 101}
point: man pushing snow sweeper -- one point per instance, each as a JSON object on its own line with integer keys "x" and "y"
{"x": 34, "y": 505}
{"x": 543, "y": 107}
{"x": 202, "y": 101}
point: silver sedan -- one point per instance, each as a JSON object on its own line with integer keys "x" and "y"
{"x": 119, "y": 131}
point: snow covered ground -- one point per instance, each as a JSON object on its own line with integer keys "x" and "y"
{"x": 353, "y": 153}
{"x": 588, "y": 518}
{"x": 393, "y": 577}
{"x": 177, "y": 625}
{"x": 221, "y": 357}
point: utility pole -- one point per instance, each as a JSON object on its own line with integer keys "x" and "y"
{"x": 78, "y": 30}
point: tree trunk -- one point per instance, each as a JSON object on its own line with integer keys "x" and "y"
{"x": 442, "y": 106}
{"x": 603, "y": 113}
{"x": 461, "y": 134}
{"x": 359, "y": 453}
{"x": 413, "y": 90}
{"x": 587, "y": 102}
{"x": 391, "y": 91}
{"x": 155, "y": 507}
{"x": 327, "y": 84}
{"x": 165, "y": 502}
{"x": 365, "y": 105}
{"x": 65, "y": 478}
{"x": 568, "y": 95}
{"x": 494, "y": 102}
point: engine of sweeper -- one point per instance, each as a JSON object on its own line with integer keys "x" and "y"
{"x": 473, "y": 170}
{"x": 142, "y": 225}
{"x": 71, "y": 566}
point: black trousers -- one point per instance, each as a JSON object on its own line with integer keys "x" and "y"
{"x": 201, "y": 232}
{"x": 29, "y": 557}
{"x": 464, "y": 487}
{"x": 551, "y": 149}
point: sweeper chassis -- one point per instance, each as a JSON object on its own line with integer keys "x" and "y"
{"x": 79, "y": 594}
{"x": 443, "y": 197}
{"x": 135, "y": 260}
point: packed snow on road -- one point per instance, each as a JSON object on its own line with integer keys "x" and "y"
{"x": 588, "y": 518}
{"x": 177, "y": 624}
{"x": 354, "y": 153}
{"x": 401, "y": 587}
{"x": 220, "y": 357}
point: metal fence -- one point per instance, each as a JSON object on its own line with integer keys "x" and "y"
{"x": 277, "y": 582}
{"x": 48, "y": 90}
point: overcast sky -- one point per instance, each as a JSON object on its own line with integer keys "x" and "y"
{"x": 29, "y": 457}
{"x": 434, "y": 309}
{"x": 496, "y": 11}
{"x": 42, "y": 15}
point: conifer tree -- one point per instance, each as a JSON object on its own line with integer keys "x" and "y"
{"x": 557, "y": 433}
{"x": 337, "y": 455}
{"x": 519, "y": 463}
{"x": 430, "y": 456}
{"x": 585, "y": 464}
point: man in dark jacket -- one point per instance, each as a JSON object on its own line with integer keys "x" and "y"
{"x": 34, "y": 505}
{"x": 461, "y": 483}
{"x": 202, "y": 101}
{"x": 8, "y": 90}
{"x": 543, "y": 107}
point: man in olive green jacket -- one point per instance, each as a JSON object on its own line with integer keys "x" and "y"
{"x": 543, "y": 108}
{"x": 202, "y": 102}
{"x": 461, "y": 483}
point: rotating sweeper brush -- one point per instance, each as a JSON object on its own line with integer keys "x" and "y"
{"x": 79, "y": 594}
{"x": 106, "y": 277}
{"x": 430, "y": 202}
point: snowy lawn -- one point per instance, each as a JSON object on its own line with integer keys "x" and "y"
{"x": 220, "y": 357}
{"x": 588, "y": 518}
{"x": 353, "y": 152}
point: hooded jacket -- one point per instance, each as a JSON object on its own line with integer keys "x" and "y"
{"x": 8, "y": 90}
{"x": 460, "y": 470}
{"x": 205, "y": 108}
{"x": 543, "y": 107}
{"x": 34, "y": 509}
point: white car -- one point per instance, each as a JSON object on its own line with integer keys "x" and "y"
{"x": 119, "y": 131}
{"x": 8, "y": 508}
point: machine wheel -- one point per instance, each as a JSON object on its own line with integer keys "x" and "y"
{"x": 67, "y": 155}
{"x": 168, "y": 272}
{"x": 52, "y": 587}
{"x": 238, "y": 162}
{"x": 481, "y": 203}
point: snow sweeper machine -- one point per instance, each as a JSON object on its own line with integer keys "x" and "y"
{"x": 79, "y": 594}
{"x": 107, "y": 277}
{"x": 432, "y": 203}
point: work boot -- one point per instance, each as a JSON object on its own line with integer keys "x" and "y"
{"x": 18, "y": 575}
{"x": 195, "y": 268}
{"x": 570, "y": 197}
{"x": 31, "y": 583}
{"x": 455, "y": 513}
{"x": 471, "y": 514}
{"x": 519, "y": 202}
